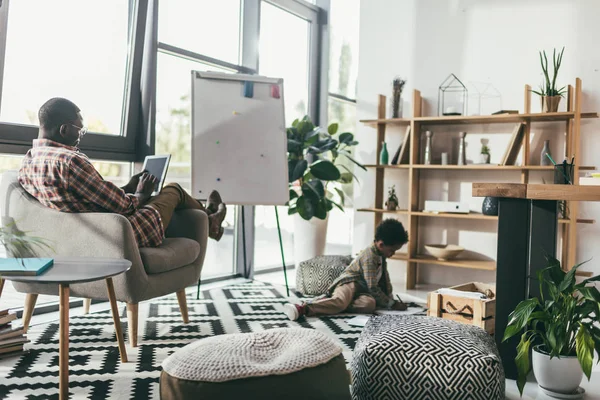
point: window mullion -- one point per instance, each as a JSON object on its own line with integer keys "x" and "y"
{"x": 3, "y": 33}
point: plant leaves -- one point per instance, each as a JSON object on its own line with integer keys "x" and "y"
{"x": 345, "y": 177}
{"x": 352, "y": 173}
{"x": 519, "y": 318}
{"x": 554, "y": 270}
{"x": 321, "y": 210}
{"x": 333, "y": 128}
{"x": 342, "y": 195}
{"x": 295, "y": 122}
{"x": 296, "y": 169}
{"x": 569, "y": 279}
{"x": 346, "y": 138}
{"x": 305, "y": 208}
{"x": 325, "y": 170}
{"x": 293, "y": 194}
{"x": 314, "y": 189}
{"x": 349, "y": 157}
{"x": 585, "y": 350}
{"x": 522, "y": 361}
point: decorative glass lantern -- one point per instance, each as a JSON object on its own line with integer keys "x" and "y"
{"x": 485, "y": 99}
{"x": 452, "y": 97}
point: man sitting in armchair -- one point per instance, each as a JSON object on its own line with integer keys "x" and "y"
{"x": 56, "y": 173}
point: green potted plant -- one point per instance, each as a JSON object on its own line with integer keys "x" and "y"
{"x": 392, "y": 200}
{"x": 316, "y": 174}
{"x": 485, "y": 154}
{"x": 550, "y": 95}
{"x": 562, "y": 327}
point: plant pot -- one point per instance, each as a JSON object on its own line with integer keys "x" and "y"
{"x": 550, "y": 103}
{"x": 391, "y": 205}
{"x": 559, "y": 375}
{"x": 309, "y": 238}
{"x": 484, "y": 158}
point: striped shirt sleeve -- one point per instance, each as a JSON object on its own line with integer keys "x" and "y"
{"x": 89, "y": 184}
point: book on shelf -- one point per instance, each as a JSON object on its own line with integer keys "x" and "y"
{"x": 500, "y": 112}
{"x": 24, "y": 266}
{"x": 401, "y": 156}
{"x": 514, "y": 146}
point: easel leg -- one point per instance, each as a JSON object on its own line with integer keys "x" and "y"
{"x": 198, "y": 289}
{"x": 287, "y": 288}
{"x": 63, "y": 343}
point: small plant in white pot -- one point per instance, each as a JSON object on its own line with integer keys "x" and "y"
{"x": 562, "y": 326}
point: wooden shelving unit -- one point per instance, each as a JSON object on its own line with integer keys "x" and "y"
{"x": 572, "y": 119}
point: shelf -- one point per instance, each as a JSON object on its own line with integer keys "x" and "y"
{"x": 453, "y": 215}
{"x": 482, "y": 119}
{"x": 383, "y": 211}
{"x": 472, "y": 216}
{"x": 459, "y": 263}
{"x": 387, "y": 121}
{"x": 398, "y": 166}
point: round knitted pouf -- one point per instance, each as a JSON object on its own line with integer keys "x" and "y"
{"x": 278, "y": 363}
{"x": 416, "y": 358}
{"x": 314, "y": 276}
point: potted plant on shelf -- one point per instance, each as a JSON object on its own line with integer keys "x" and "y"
{"x": 562, "y": 327}
{"x": 550, "y": 95}
{"x": 484, "y": 157}
{"x": 316, "y": 175}
{"x": 392, "y": 201}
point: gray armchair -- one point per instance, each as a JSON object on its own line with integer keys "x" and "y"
{"x": 169, "y": 268}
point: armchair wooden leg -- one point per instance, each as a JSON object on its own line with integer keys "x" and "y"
{"x": 86, "y": 305}
{"x": 30, "y": 300}
{"x": 115, "y": 313}
{"x": 183, "y": 305}
{"x": 132, "y": 318}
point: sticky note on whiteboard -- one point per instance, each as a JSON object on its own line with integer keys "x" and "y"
{"x": 248, "y": 89}
{"x": 275, "y": 91}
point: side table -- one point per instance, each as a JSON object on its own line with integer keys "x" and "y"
{"x": 71, "y": 270}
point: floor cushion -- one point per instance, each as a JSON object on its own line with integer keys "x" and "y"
{"x": 282, "y": 363}
{"x": 314, "y": 276}
{"x": 414, "y": 358}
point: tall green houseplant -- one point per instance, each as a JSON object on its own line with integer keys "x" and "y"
{"x": 315, "y": 171}
{"x": 563, "y": 321}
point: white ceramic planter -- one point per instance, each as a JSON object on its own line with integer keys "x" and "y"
{"x": 309, "y": 238}
{"x": 560, "y": 375}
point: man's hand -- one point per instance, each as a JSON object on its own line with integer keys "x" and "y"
{"x": 133, "y": 183}
{"x": 398, "y": 306}
{"x": 145, "y": 187}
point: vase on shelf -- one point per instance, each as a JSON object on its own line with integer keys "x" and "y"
{"x": 550, "y": 103}
{"x": 544, "y": 159}
{"x": 384, "y": 155}
{"x": 490, "y": 206}
{"x": 462, "y": 159}
{"x": 427, "y": 159}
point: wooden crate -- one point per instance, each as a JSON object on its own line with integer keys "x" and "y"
{"x": 476, "y": 312}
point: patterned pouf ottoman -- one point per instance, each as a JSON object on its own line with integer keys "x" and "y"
{"x": 417, "y": 358}
{"x": 280, "y": 363}
{"x": 314, "y": 276}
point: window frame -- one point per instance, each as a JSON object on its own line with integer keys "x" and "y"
{"x": 17, "y": 138}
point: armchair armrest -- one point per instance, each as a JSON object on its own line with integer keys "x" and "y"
{"x": 191, "y": 224}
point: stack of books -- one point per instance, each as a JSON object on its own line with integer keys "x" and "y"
{"x": 11, "y": 339}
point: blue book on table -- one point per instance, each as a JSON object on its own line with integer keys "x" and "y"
{"x": 24, "y": 266}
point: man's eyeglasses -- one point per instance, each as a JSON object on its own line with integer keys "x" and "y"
{"x": 82, "y": 130}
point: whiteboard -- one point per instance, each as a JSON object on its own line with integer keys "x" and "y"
{"x": 239, "y": 144}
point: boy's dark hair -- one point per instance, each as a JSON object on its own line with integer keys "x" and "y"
{"x": 55, "y": 112}
{"x": 391, "y": 232}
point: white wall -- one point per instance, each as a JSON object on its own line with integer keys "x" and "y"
{"x": 495, "y": 41}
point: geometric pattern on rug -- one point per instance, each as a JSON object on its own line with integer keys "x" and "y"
{"x": 95, "y": 370}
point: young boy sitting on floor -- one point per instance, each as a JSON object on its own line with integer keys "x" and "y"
{"x": 365, "y": 283}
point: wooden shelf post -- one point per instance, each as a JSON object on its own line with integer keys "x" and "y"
{"x": 413, "y": 193}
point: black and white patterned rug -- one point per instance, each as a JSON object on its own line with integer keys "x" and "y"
{"x": 95, "y": 371}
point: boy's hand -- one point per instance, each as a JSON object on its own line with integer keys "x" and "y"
{"x": 398, "y": 306}
{"x": 133, "y": 183}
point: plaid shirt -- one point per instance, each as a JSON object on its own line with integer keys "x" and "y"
{"x": 63, "y": 178}
{"x": 369, "y": 270}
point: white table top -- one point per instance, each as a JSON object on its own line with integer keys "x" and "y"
{"x": 70, "y": 270}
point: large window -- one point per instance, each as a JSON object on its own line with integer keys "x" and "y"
{"x": 206, "y": 27}
{"x": 66, "y": 48}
